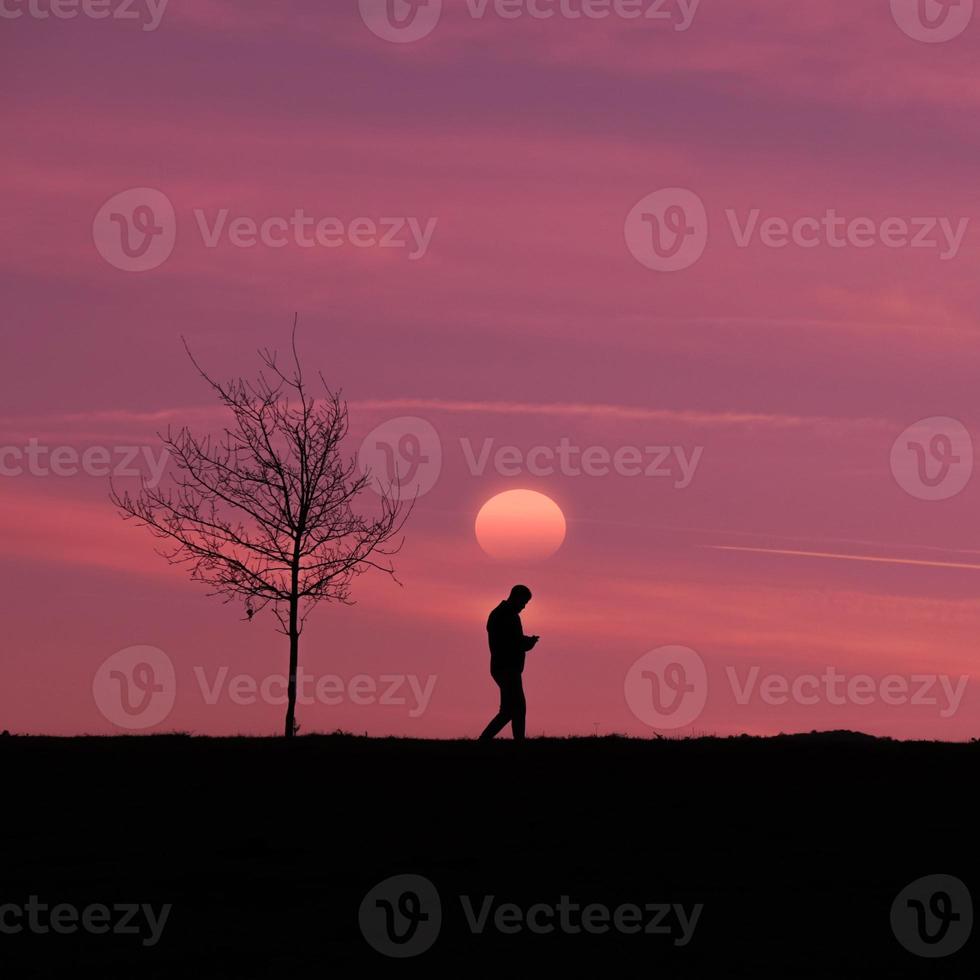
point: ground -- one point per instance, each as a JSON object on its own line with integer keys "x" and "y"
{"x": 759, "y": 857}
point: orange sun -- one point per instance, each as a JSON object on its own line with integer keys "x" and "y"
{"x": 520, "y": 524}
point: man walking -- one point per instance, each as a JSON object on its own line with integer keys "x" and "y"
{"x": 508, "y": 644}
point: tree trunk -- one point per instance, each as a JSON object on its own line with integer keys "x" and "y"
{"x": 293, "y": 662}
{"x": 293, "y": 635}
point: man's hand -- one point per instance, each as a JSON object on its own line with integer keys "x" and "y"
{"x": 534, "y": 640}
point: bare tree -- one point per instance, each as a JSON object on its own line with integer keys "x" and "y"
{"x": 265, "y": 512}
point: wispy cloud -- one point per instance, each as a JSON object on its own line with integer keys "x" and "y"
{"x": 841, "y": 556}
{"x": 598, "y": 411}
{"x": 625, "y": 413}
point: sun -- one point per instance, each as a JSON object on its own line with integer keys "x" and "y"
{"x": 520, "y": 524}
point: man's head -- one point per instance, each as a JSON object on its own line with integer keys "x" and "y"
{"x": 519, "y": 597}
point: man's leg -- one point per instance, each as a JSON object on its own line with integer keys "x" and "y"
{"x": 503, "y": 715}
{"x": 518, "y": 708}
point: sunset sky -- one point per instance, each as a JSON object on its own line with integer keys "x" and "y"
{"x": 506, "y": 155}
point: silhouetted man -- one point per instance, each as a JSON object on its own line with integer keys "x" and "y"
{"x": 508, "y": 644}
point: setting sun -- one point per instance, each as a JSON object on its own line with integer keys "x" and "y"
{"x": 520, "y": 524}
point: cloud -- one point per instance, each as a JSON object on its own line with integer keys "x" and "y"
{"x": 841, "y": 556}
{"x": 612, "y": 413}
{"x": 127, "y": 420}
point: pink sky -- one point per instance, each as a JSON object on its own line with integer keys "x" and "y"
{"x": 527, "y": 321}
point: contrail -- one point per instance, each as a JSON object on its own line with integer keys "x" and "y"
{"x": 843, "y": 557}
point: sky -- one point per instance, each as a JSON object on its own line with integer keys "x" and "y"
{"x": 725, "y": 252}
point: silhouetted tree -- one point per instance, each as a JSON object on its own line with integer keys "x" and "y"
{"x": 265, "y": 513}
